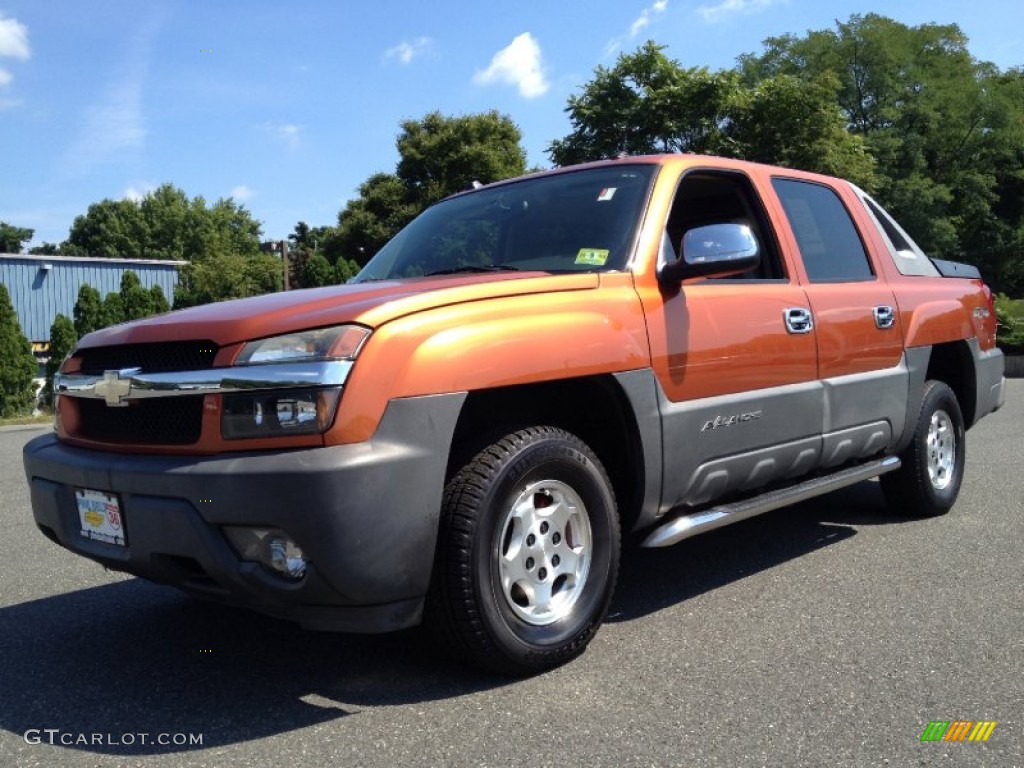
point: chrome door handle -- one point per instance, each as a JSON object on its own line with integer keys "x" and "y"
{"x": 885, "y": 317}
{"x": 798, "y": 320}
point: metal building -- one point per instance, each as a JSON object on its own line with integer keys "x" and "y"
{"x": 43, "y": 286}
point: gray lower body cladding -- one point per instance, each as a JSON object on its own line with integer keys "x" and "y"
{"x": 365, "y": 515}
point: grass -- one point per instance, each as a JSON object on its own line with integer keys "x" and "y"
{"x": 41, "y": 420}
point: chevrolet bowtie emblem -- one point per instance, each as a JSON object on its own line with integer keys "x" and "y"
{"x": 115, "y": 386}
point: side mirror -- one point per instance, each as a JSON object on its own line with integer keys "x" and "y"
{"x": 717, "y": 250}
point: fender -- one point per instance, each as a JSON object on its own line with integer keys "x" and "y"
{"x": 937, "y": 322}
{"x": 494, "y": 343}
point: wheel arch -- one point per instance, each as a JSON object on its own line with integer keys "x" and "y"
{"x": 600, "y": 410}
{"x": 953, "y": 364}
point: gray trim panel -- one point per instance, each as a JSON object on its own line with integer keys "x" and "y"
{"x": 989, "y": 369}
{"x": 642, "y": 389}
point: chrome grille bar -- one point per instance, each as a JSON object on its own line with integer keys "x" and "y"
{"x": 118, "y": 387}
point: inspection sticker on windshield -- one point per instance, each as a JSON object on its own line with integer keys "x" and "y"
{"x": 592, "y": 257}
{"x": 100, "y": 515}
{"x": 607, "y": 194}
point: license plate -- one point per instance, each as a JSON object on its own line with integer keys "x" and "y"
{"x": 101, "y": 517}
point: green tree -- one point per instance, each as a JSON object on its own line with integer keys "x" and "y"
{"x": 439, "y": 156}
{"x": 383, "y": 207}
{"x": 63, "y": 338}
{"x": 442, "y": 155}
{"x": 12, "y": 237}
{"x": 88, "y": 312}
{"x": 345, "y": 269}
{"x": 945, "y": 129}
{"x": 649, "y": 103}
{"x": 798, "y": 124}
{"x": 304, "y": 243}
{"x": 158, "y": 300}
{"x": 317, "y": 271}
{"x": 165, "y": 224}
{"x": 227, "y": 276}
{"x": 46, "y": 249}
{"x": 110, "y": 229}
{"x": 136, "y": 301}
{"x": 17, "y": 363}
{"x": 113, "y": 309}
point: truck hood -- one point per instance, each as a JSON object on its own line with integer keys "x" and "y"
{"x": 370, "y": 304}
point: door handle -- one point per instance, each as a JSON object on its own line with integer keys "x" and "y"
{"x": 798, "y": 320}
{"x": 885, "y": 317}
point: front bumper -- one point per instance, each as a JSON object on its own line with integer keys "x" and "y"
{"x": 366, "y": 516}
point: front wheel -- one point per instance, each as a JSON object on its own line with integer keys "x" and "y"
{"x": 528, "y": 553}
{"x": 928, "y": 482}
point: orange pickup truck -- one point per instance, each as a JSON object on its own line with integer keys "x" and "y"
{"x": 655, "y": 345}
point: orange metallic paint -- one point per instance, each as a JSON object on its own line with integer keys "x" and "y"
{"x": 466, "y": 332}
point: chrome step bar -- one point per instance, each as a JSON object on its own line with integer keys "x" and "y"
{"x": 685, "y": 526}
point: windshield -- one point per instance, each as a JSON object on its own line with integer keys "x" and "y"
{"x": 573, "y": 222}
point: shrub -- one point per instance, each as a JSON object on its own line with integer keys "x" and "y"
{"x": 17, "y": 363}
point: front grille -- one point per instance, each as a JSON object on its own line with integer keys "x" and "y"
{"x": 157, "y": 421}
{"x": 159, "y": 357}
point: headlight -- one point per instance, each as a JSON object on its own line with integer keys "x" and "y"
{"x": 341, "y": 342}
{"x": 309, "y": 410}
{"x": 278, "y": 413}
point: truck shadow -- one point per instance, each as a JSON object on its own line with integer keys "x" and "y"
{"x": 133, "y": 658}
{"x": 653, "y": 579}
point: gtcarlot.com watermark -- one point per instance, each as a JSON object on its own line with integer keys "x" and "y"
{"x": 56, "y": 736}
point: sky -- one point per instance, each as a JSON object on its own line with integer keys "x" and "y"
{"x": 287, "y": 107}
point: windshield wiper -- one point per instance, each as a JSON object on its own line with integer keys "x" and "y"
{"x": 457, "y": 270}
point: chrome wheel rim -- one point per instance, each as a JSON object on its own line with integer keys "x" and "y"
{"x": 544, "y": 552}
{"x": 941, "y": 450}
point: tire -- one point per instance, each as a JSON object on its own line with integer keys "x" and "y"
{"x": 527, "y": 556}
{"x": 928, "y": 481}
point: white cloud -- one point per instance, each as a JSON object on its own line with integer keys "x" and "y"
{"x": 406, "y": 51}
{"x": 519, "y": 64}
{"x": 644, "y": 19}
{"x": 640, "y": 23}
{"x": 289, "y": 133}
{"x": 135, "y": 192}
{"x": 241, "y": 193}
{"x": 5, "y": 78}
{"x": 14, "y": 39}
{"x": 731, "y": 8}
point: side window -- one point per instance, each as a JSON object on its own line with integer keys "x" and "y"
{"x": 906, "y": 255}
{"x": 709, "y": 197}
{"x": 828, "y": 240}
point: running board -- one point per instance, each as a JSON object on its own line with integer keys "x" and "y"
{"x": 685, "y": 526}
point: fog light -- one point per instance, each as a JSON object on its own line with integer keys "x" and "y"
{"x": 271, "y": 547}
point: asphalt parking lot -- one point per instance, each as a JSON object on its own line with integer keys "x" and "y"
{"x": 827, "y": 634}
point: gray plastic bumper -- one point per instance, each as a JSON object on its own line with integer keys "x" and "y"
{"x": 991, "y": 383}
{"x": 365, "y": 515}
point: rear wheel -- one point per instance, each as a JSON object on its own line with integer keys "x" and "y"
{"x": 928, "y": 482}
{"x": 528, "y": 553}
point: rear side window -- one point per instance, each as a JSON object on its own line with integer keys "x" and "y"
{"x": 906, "y": 255}
{"x": 829, "y": 243}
